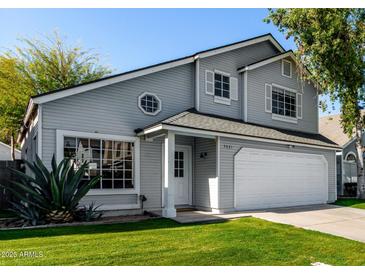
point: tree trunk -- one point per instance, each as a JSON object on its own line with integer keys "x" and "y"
{"x": 12, "y": 147}
{"x": 360, "y": 164}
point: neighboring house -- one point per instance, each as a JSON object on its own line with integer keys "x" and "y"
{"x": 230, "y": 128}
{"x": 5, "y": 152}
{"x": 330, "y": 126}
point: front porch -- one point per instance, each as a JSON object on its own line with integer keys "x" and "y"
{"x": 189, "y": 172}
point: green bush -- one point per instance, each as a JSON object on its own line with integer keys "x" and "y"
{"x": 50, "y": 196}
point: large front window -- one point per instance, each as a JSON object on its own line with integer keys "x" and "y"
{"x": 284, "y": 102}
{"x": 111, "y": 159}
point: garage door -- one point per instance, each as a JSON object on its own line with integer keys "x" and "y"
{"x": 268, "y": 179}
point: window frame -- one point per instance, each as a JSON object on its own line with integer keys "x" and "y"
{"x": 222, "y": 99}
{"x": 280, "y": 117}
{"x": 159, "y": 108}
{"x": 348, "y": 154}
{"x": 282, "y": 68}
{"x": 61, "y": 134}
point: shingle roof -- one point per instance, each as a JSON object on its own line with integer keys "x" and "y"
{"x": 330, "y": 126}
{"x": 197, "y": 120}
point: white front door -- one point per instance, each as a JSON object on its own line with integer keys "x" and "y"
{"x": 182, "y": 174}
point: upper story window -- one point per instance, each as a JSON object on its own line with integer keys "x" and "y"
{"x": 286, "y": 68}
{"x": 112, "y": 160}
{"x": 149, "y": 103}
{"x": 284, "y": 102}
{"x": 221, "y": 85}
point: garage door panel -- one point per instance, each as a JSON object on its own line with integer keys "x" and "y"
{"x": 265, "y": 178}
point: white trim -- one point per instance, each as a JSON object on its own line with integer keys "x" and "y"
{"x": 192, "y": 132}
{"x": 336, "y": 176}
{"x": 60, "y": 134}
{"x": 268, "y": 98}
{"x": 197, "y": 83}
{"x": 40, "y": 131}
{"x": 222, "y": 100}
{"x": 241, "y": 45}
{"x": 190, "y": 176}
{"x": 209, "y": 82}
{"x": 218, "y": 168}
{"x": 156, "y": 97}
{"x": 222, "y": 72}
{"x": 268, "y": 61}
{"x": 245, "y": 93}
{"x": 283, "y": 87}
{"x": 282, "y": 68}
{"x": 284, "y": 118}
{"x": 350, "y": 153}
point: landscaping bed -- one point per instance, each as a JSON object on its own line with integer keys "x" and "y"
{"x": 11, "y": 223}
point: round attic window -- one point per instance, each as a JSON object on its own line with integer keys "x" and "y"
{"x": 149, "y": 103}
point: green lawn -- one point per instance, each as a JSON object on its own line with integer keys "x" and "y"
{"x": 356, "y": 203}
{"x": 246, "y": 241}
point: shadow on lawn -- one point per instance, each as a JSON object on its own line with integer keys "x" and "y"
{"x": 91, "y": 229}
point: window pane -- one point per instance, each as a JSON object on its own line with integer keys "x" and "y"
{"x": 107, "y": 174}
{"x": 226, "y": 94}
{"x": 176, "y": 173}
{"x": 107, "y": 145}
{"x": 70, "y": 142}
{"x": 95, "y": 143}
{"x": 118, "y": 174}
{"x": 69, "y": 152}
{"x": 107, "y": 184}
{"x": 128, "y": 184}
{"x": 181, "y": 173}
{"x": 96, "y": 153}
{"x": 82, "y": 143}
{"x": 118, "y": 184}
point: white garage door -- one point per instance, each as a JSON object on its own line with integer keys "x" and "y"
{"x": 268, "y": 179}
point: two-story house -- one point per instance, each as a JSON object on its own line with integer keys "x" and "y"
{"x": 230, "y": 128}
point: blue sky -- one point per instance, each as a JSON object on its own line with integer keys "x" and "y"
{"x": 132, "y": 38}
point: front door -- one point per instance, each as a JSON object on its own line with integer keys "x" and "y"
{"x": 182, "y": 174}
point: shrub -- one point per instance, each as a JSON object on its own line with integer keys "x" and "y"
{"x": 49, "y": 196}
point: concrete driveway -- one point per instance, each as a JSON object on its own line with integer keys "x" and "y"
{"x": 340, "y": 221}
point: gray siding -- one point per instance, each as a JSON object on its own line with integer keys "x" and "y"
{"x": 109, "y": 200}
{"x": 113, "y": 109}
{"x": 229, "y": 147}
{"x": 269, "y": 74}
{"x": 204, "y": 170}
{"x": 229, "y": 62}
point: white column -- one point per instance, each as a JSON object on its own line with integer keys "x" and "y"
{"x": 169, "y": 184}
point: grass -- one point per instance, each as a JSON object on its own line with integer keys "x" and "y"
{"x": 355, "y": 203}
{"x": 246, "y": 241}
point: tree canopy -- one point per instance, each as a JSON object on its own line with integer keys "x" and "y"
{"x": 37, "y": 66}
{"x": 331, "y": 44}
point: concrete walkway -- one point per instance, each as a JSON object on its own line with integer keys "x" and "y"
{"x": 340, "y": 221}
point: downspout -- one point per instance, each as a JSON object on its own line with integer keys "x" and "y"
{"x": 245, "y": 73}
{"x": 197, "y": 82}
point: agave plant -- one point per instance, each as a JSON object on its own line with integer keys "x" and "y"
{"x": 55, "y": 194}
